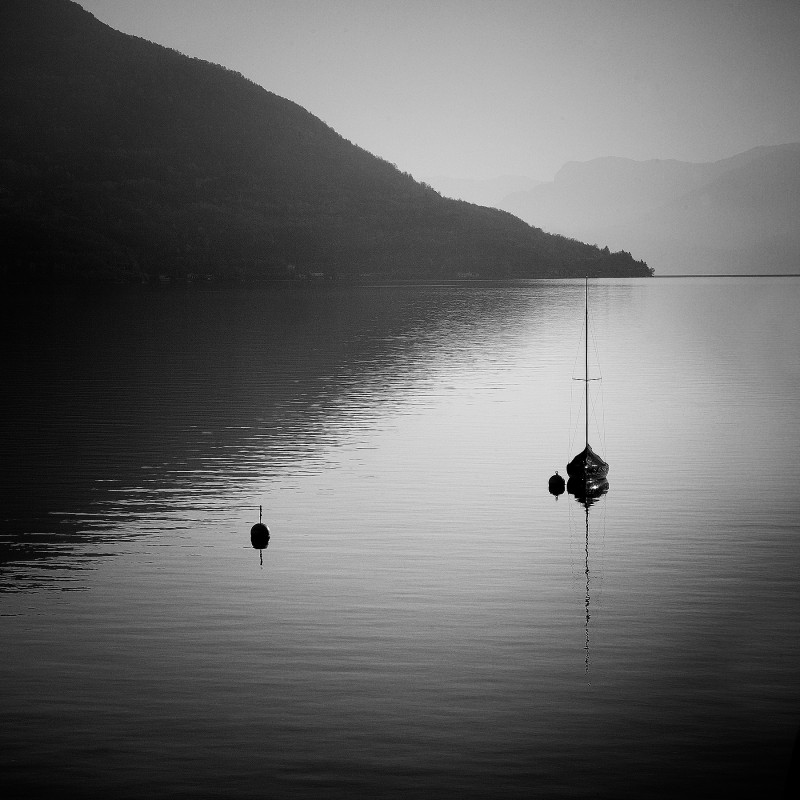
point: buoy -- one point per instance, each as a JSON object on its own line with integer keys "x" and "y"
{"x": 259, "y": 533}
{"x": 556, "y": 485}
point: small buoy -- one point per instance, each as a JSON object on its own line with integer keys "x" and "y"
{"x": 259, "y": 533}
{"x": 556, "y": 485}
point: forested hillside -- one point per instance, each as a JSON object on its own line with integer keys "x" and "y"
{"x": 124, "y": 160}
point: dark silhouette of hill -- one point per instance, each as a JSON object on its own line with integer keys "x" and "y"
{"x": 121, "y": 159}
{"x": 735, "y": 215}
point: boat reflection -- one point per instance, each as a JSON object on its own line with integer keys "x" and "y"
{"x": 587, "y": 492}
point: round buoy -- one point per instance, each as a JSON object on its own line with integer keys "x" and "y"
{"x": 556, "y": 485}
{"x": 259, "y": 533}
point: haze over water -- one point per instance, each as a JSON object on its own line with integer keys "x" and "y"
{"x": 418, "y": 624}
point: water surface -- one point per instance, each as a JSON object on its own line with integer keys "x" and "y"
{"x": 418, "y": 624}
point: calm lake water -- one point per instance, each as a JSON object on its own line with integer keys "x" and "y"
{"x": 427, "y": 620}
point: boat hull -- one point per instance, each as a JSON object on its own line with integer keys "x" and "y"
{"x": 587, "y": 466}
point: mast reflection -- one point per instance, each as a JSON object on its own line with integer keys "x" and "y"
{"x": 587, "y": 492}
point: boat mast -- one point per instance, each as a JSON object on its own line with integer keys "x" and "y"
{"x": 586, "y": 362}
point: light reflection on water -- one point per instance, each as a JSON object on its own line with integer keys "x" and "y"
{"x": 417, "y": 624}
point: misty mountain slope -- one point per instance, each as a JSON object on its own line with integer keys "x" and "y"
{"x": 738, "y": 214}
{"x": 483, "y": 192}
{"x": 605, "y": 190}
{"x": 744, "y": 220}
{"x": 123, "y": 159}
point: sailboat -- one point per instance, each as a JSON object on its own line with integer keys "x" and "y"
{"x": 587, "y": 471}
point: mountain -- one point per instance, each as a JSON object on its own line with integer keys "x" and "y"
{"x": 483, "y": 192}
{"x": 123, "y": 160}
{"x": 736, "y": 215}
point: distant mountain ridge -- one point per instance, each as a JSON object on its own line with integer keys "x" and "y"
{"x": 124, "y": 160}
{"x": 735, "y": 215}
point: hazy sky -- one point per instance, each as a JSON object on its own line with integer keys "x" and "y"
{"x": 481, "y": 88}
